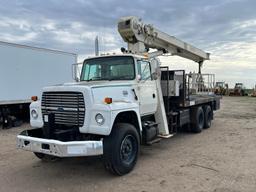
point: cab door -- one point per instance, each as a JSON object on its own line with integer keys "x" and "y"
{"x": 146, "y": 88}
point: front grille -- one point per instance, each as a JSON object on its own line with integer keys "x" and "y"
{"x": 68, "y": 107}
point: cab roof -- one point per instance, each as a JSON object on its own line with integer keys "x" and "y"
{"x": 119, "y": 55}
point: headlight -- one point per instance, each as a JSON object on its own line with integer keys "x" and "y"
{"x": 99, "y": 119}
{"x": 34, "y": 114}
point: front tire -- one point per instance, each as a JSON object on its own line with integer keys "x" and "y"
{"x": 121, "y": 148}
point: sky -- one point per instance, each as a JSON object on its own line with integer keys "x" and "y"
{"x": 224, "y": 28}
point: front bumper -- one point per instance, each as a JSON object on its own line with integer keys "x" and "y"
{"x": 59, "y": 148}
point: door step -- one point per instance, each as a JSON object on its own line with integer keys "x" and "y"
{"x": 157, "y": 140}
{"x": 166, "y": 136}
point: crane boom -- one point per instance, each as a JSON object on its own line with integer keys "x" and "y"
{"x": 140, "y": 37}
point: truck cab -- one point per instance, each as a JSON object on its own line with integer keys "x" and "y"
{"x": 73, "y": 119}
{"x": 122, "y": 70}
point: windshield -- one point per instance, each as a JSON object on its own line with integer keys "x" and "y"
{"x": 108, "y": 68}
{"x": 220, "y": 84}
{"x": 238, "y": 85}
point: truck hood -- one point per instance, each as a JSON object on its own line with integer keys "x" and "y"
{"x": 93, "y": 84}
{"x": 119, "y": 91}
{"x": 90, "y": 84}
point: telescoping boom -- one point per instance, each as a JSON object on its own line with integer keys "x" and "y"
{"x": 140, "y": 37}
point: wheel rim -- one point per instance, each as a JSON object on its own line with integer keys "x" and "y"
{"x": 128, "y": 149}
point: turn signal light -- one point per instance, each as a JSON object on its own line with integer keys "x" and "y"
{"x": 145, "y": 55}
{"x": 34, "y": 98}
{"x": 108, "y": 100}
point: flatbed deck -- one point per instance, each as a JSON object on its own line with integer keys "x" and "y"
{"x": 200, "y": 99}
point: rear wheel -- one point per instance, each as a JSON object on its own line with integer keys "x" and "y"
{"x": 207, "y": 116}
{"x": 121, "y": 148}
{"x": 197, "y": 120}
{"x": 46, "y": 158}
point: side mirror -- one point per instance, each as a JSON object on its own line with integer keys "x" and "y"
{"x": 76, "y": 71}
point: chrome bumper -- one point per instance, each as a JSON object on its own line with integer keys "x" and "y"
{"x": 59, "y": 148}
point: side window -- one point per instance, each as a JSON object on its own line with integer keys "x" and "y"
{"x": 144, "y": 70}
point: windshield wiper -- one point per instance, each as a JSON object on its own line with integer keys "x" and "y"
{"x": 120, "y": 78}
{"x": 96, "y": 79}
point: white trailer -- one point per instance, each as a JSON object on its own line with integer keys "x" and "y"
{"x": 24, "y": 71}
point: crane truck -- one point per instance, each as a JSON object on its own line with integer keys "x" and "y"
{"x": 121, "y": 102}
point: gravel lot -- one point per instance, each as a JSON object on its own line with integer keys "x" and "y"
{"x": 220, "y": 159}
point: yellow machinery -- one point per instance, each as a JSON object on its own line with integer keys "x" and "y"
{"x": 239, "y": 90}
{"x": 221, "y": 88}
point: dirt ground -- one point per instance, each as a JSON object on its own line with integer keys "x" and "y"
{"x": 220, "y": 159}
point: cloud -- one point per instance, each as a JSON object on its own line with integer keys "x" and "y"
{"x": 19, "y": 38}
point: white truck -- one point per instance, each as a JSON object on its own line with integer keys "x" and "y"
{"x": 24, "y": 71}
{"x": 121, "y": 102}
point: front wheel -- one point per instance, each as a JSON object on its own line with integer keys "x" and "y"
{"x": 121, "y": 148}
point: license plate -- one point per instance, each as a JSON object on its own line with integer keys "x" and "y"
{"x": 45, "y": 118}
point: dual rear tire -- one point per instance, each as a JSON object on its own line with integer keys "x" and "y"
{"x": 201, "y": 118}
{"x": 208, "y": 116}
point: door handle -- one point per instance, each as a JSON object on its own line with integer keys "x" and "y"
{"x": 135, "y": 95}
{"x": 154, "y": 95}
